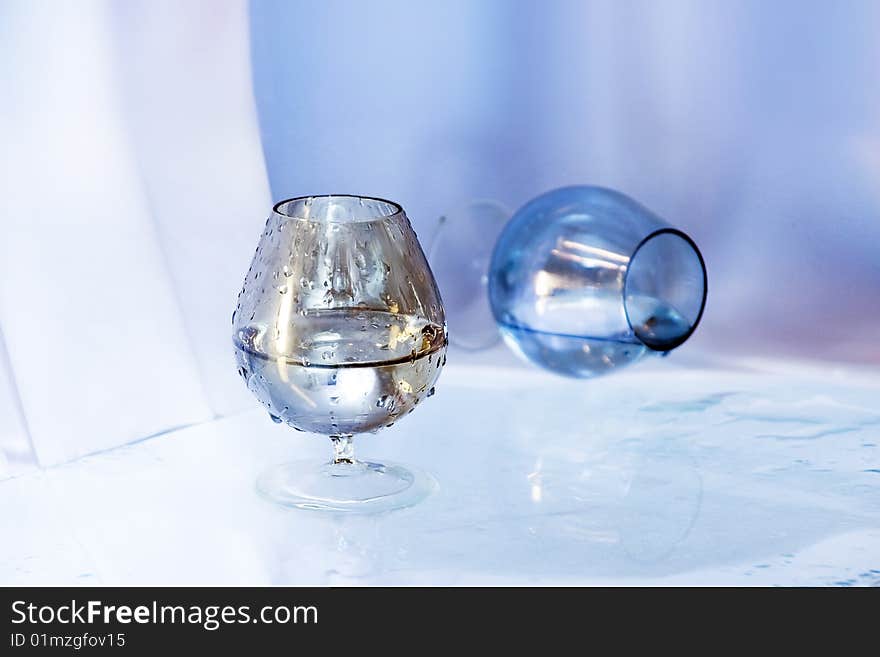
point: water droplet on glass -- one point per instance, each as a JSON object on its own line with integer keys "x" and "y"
{"x": 430, "y": 392}
{"x": 387, "y": 402}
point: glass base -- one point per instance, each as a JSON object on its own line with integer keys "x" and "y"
{"x": 348, "y": 487}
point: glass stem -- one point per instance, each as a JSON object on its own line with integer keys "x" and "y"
{"x": 343, "y": 449}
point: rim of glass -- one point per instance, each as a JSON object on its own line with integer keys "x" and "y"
{"x": 396, "y": 208}
{"x": 681, "y": 234}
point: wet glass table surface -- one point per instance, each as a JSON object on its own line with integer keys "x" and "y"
{"x": 752, "y": 473}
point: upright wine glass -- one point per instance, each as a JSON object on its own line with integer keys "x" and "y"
{"x": 339, "y": 330}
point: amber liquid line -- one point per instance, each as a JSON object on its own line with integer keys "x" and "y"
{"x": 341, "y": 371}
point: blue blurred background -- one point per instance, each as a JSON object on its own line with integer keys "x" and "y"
{"x": 754, "y": 126}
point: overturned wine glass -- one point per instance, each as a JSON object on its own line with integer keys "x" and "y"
{"x": 340, "y": 330}
{"x": 584, "y": 280}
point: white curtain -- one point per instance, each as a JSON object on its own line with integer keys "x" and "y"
{"x": 133, "y": 187}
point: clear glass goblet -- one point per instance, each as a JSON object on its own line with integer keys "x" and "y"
{"x": 339, "y": 330}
